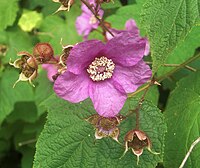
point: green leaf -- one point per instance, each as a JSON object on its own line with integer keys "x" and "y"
{"x": 20, "y": 112}
{"x": 8, "y": 13}
{"x": 167, "y": 23}
{"x": 183, "y": 119}
{"x": 29, "y": 20}
{"x": 183, "y": 51}
{"x": 9, "y": 96}
{"x": 68, "y": 140}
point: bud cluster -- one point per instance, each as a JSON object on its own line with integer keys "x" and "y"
{"x": 42, "y": 54}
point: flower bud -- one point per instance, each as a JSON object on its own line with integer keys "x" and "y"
{"x": 43, "y": 52}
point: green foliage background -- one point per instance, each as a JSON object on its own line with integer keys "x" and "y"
{"x": 170, "y": 114}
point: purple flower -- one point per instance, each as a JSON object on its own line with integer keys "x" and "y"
{"x": 104, "y": 72}
{"x": 130, "y": 26}
{"x": 86, "y": 22}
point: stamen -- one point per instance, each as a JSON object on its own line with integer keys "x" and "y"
{"x": 101, "y": 68}
{"x": 93, "y": 20}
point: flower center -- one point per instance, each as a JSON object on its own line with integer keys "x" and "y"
{"x": 101, "y": 68}
{"x": 93, "y": 20}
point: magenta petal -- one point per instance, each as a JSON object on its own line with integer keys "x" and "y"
{"x": 108, "y": 97}
{"x": 132, "y": 27}
{"x": 82, "y": 24}
{"x": 115, "y": 32}
{"x": 83, "y": 54}
{"x": 71, "y": 87}
{"x": 130, "y": 78}
{"x": 125, "y": 49}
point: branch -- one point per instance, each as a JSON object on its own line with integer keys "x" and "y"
{"x": 96, "y": 16}
{"x": 137, "y": 109}
{"x": 184, "y": 64}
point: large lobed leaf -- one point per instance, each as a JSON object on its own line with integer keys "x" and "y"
{"x": 183, "y": 119}
{"x": 68, "y": 140}
{"x": 167, "y": 23}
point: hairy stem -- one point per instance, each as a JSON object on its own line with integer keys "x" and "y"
{"x": 189, "y": 152}
{"x": 177, "y": 65}
{"x": 96, "y": 16}
{"x": 184, "y": 64}
{"x": 137, "y": 109}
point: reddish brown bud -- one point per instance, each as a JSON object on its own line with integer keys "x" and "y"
{"x": 43, "y": 52}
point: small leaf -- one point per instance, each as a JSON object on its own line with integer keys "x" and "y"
{"x": 183, "y": 119}
{"x": 167, "y": 23}
{"x": 68, "y": 140}
{"x": 29, "y": 20}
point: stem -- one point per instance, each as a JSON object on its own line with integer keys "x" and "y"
{"x": 97, "y": 6}
{"x": 179, "y": 67}
{"x": 96, "y": 16}
{"x": 137, "y": 109}
{"x": 27, "y": 142}
{"x": 189, "y": 152}
{"x": 140, "y": 104}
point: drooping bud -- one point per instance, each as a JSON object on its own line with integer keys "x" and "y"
{"x": 106, "y": 127}
{"x": 66, "y": 51}
{"x": 28, "y": 66}
{"x": 62, "y": 67}
{"x": 137, "y": 140}
{"x": 65, "y": 5}
{"x": 43, "y": 52}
